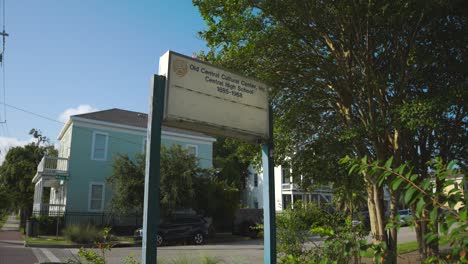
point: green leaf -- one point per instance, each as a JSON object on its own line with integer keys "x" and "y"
{"x": 463, "y": 214}
{"x": 364, "y": 160}
{"x": 396, "y": 183}
{"x": 430, "y": 237}
{"x": 413, "y": 177}
{"x": 400, "y": 169}
{"x": 345, "y": 160}
{"x": 419, "y": 206}
{"x": 433, "y": 214}
{"x": 425, "y": 184}
{"x": 388, "y": 164}
{"x": 451, "y": 164}
{"x": 409, "y": 195}
{"x": 353, "y": 168}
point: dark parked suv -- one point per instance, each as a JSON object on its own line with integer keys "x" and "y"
{"x": 187, "y": 228}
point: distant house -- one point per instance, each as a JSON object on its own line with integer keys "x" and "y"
{"x": 88, "y": 144}
{"x": 286, "y": 191}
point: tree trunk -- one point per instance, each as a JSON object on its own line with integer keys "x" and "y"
{"x": 376, "y": 216}
{"x": 393, "y": 232}
{"x": 420, "y": 228}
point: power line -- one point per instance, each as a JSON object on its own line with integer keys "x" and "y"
{"x": 32, "y": 113}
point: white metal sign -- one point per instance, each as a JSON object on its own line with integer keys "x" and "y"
{"x": 205, "y": 98}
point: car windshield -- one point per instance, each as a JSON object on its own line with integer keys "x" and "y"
{"x": 404, "y": 212}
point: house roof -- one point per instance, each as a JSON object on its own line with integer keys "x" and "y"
{"x": 130, "y": 118}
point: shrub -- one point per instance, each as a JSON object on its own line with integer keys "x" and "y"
{"x": 83, "y": 234}
{"x": 47, "y": 225}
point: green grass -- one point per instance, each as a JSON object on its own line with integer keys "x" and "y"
{"x": 125, "y": 239}
{"x": 51, "y": 240}
{"x": 48, "y": 240}
{"x": 407, "y": 247}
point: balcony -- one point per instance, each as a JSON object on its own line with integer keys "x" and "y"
{"x": 295, "y": 187}
{"x": 52, "y": 166}
{"x": 289, "y": 187}
{"x": 48, "y": 209}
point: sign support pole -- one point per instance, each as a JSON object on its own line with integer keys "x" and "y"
{"x": 152, "y": 171}
{"x": 269, "y": 210}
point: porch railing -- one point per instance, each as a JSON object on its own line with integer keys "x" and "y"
{"x": 289, "y": 186}
{"x": 53, "y": 165}
{"x": 49, "y": 209}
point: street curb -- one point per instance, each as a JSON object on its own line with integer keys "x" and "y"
{"x": 12, "y": 242}
{"x": 119, "y": 245}
{"x": 212, "y": 241}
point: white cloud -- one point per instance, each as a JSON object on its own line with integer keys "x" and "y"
{"x": 9, "y": 142}
{"x": 81, "y": 109}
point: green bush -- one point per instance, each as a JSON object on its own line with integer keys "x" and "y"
{"x": 83, "y": 234}
{"x": 343, "y": 242}
{"x": 47, "y": 225}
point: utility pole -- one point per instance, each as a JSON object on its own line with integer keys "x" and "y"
{"x": 4, "y": 35}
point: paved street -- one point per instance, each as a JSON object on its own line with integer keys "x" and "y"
{"x": 12, "y": 250}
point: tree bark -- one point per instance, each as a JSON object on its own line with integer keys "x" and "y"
{"x": 393, "y": 232}
{"x": 375, "y": 204}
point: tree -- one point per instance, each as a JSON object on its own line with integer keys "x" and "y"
{"x": 360, "y": 72}
{"x": 178, "y": 169}
{"x": 128, "y": 183}
{"x": 37, "y": 134}
{"x": 16, "y": 174}
{"x": 6, "y": 206}
{"x": 231, "y": 162}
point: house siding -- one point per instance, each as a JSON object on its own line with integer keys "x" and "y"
{"x": 65, "y": 143}
{"x": 83, "y": 169}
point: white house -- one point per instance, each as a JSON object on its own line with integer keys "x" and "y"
{"x": 286, "y": 191}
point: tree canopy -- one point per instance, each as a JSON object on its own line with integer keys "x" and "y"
{"x": 17, "y": 172}
{"x": 178, "y": 169}
{"x": 360, "y": 78}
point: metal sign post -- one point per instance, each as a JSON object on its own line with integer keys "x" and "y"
{"x": 152, "y": 171}
{"x": 269, "y": 218}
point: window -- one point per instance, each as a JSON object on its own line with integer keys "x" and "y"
{"x": 286, "y": 201}
{"x": 286, "y": 175}
{"x": 192, "y": 149}
{"x": 99, "y": 151}
{"x": 96, "y": 196}
{"x": 255, "y": 180}
{"x": 256, "y": 204}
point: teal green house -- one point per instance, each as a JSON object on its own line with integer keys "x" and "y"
{"x": 75, "y": 180}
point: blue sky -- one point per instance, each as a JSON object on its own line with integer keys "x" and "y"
{"x": 72, "y": 56}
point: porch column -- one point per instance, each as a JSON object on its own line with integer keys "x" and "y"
{"x": 37, "y": 206}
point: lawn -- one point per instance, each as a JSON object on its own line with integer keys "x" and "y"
{"x": 62, "y": 241}
{"x": 48, "y": 240}
{"x": 406, "y": 247}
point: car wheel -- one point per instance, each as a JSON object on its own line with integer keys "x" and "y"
{"x": 198, "y": 238}
{"x": 159, "y": 240}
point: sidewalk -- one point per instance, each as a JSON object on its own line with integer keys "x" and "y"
{"x": 10, "y": 231}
